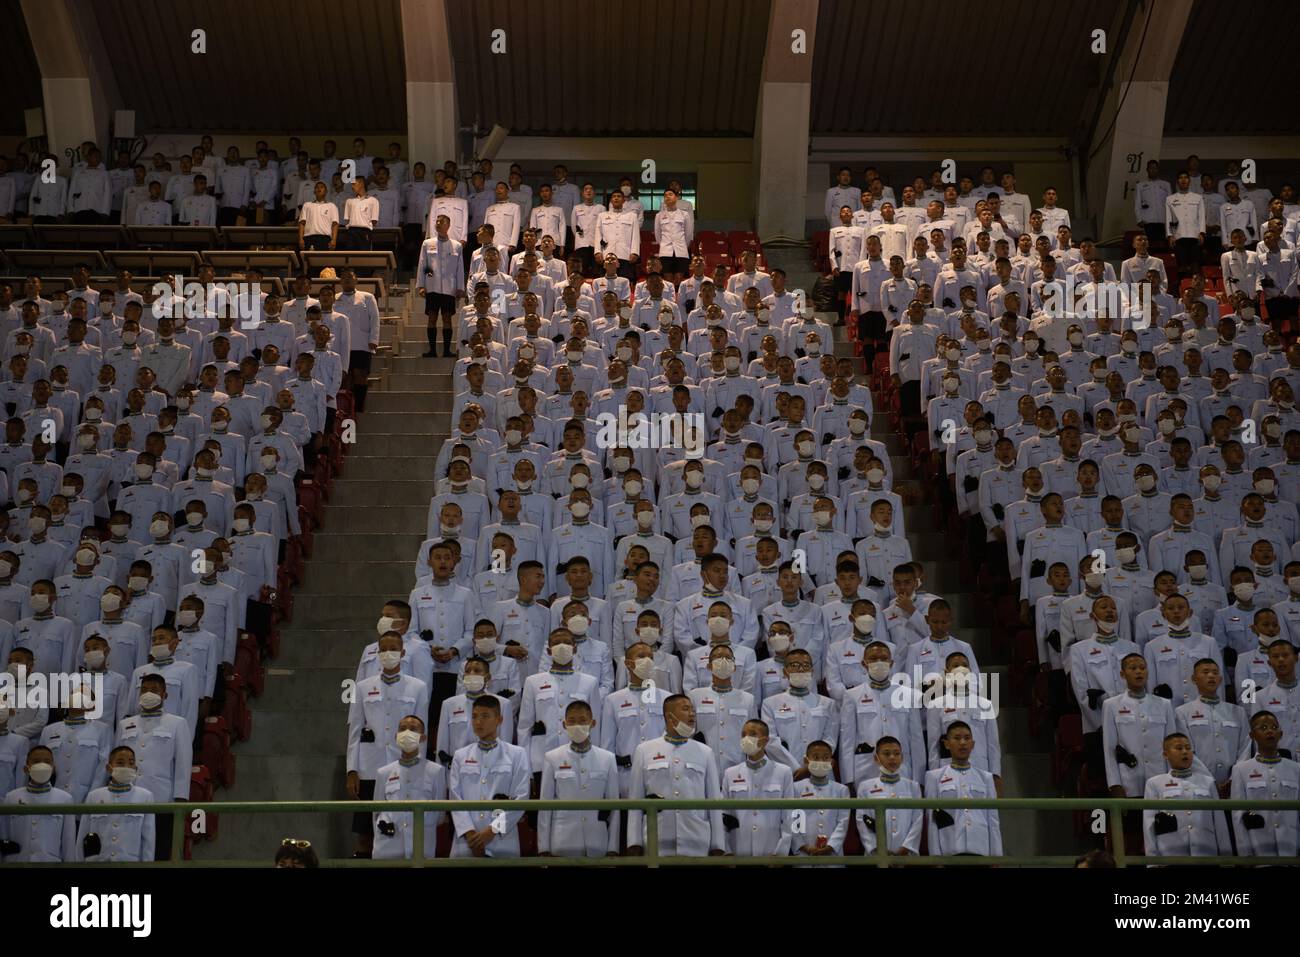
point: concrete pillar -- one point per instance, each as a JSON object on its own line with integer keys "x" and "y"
{"x": 1138, "y": 133}
{"x": 430, "y": 83}
{"x": 781, "y": 125}
{"x": 73, "y": 113}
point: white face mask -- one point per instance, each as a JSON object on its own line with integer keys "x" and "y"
{"x": 40, "y": 603}
{"x": 109, "y": 603}
{"x": 1265, "y": 487}
{"x": 124, "y": 775}
{"x": 857, "y": 427}
{"x": 1105, "y": 627}
{"x": 719, "y": 626}
{"x": 562, "y": 653}
{"x": 580, "y": 510}
{"x": 643, "y": 668}
{"x": 823, "y": 518}
{"x": 94, "y": 659}
{"x": 750, "y": 486}
{"x": 186, "y": 617}
{"x": 87, "y": 442}
{"x": 85, "y": 557}
{"x": 160, "y": 652}
{"x": 137, "y": 583}
{"x": 579, "y": 480}
{"x": 194, "y": 518}
{"x": 485, "y": 646}
{"x": 865, "y": 624}
{"x": 683, "y": 729}
{"x": 578, "y": 733}
{"x": 731, "y": 363}
{"x": 514, "y": 436}
{"x": 1212, "y": 482}
{"x": 698, "y": 520}
{"x": 694, "y": 479}
{"x": 763, "y": 525}
{"x": 622, "y": 463}
{"x": 816, "y": 481}
{"x": 778, "y": 642}
{"x": 751, "y": 745}
{"x": 645, "y": 519}
{"x": 801, "y": 679}
{"x": 1198, "y": 573}
{"x": 268, "y": 463}
{"x": 879, "y": 670}
{"x": 1146, "y": 483}
{"x": 1244, "y": 591}
{"x": 40, "y": 773}
{"x": 408, "y": 740}
{"x": 579, "y": 624}
{"x": 388, "y": 660}
{"x": 1093, "y": 579}
{"x": 951, "y": 386}
{"x": 474, "y": 683}
{"x": 806, "y": 449}
{"x": 1125, "y": 556}
{"x": 1128, "y": 346}
{"x": 150, "y": 700}
{"x": 722, "y": 667}
{"x": 875, "y": 476}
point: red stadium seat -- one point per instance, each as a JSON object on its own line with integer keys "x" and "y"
{"x": 248, "y": 663}
{"x": 214, "y": 751}
{"x": 1068, "y": 746}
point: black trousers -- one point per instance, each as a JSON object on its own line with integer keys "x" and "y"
{"x": 88, "y": 217}
{"x": 1155, "y": 232}
{"x": 226, "y": 215}
{"x": 627, "y": 269}
{"x": 1188, "y": 252}
{"x": 587, "y": 256}
{"x": 316, "y": 243}
{"x": 359, "y": 237}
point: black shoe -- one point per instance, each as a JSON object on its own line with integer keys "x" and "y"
{"x": 431, "y": 354}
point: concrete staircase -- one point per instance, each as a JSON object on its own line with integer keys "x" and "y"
{"x": 364, "y": 554}
{"x": 1025, "y": 761}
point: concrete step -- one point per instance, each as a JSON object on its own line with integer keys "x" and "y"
{"x": 306, "y": 689}
{"x": 409, "y": 519}
{"x": 423, "y": 424}
{"x": 385, "y": 467}
{"x": 407, "y": 363}
{"x": 349, "y": 492}
{"x": 384, "y": 403}
{"x": 365, "y": 577}
{"x": 390, "y": 444}
{"x": 417, "y": 382}
{"x": 361, "y": 547}
{"x": 329, "y": 646}
{"x": 353, "y": 609}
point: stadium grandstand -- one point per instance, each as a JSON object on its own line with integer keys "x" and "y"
{"x": 723, "y": 401}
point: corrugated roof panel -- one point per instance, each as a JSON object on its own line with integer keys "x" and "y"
{"x": 679, "y": 67}
{"x": 929, "y": 66}
{"x": 287, "y": 65}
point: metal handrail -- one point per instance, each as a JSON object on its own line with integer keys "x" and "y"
{"x": 181, "y": 812}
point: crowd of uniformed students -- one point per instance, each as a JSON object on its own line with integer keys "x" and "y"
{"x": 664, "y": 558}
{"x": 596, "y": 614}
{"x": 148, "y": 475}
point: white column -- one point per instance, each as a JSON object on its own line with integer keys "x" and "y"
{"x": 430, "y": 83}
{"x": 781, "y": 124}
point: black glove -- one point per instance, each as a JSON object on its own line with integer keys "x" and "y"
{"x": 1163, "y": 691}
{"x": 1252, "y": 820}
{"x": 557, "y": 339}
{"x": 367, "y": 736}
{"x": 1286, "y": 753}
{"x": 943, "y": 749}
{"x": 1095, "y": 698}
{"x": 1054, "y": 640}
{"x": 699, "y": 736}
{"x": 869, "y": 821}
{"x": 1037, "y": 568}
{"x": 9, "y": 847}
{"x": 1230, "y": 657}
{"x": 623, "y": 760}
{"x": 828, "y": 438}
{"x": 90, "y": 845}
{"x": 971, "y": 484}
{"x": 602, "y": 817}
{"x": 1125, "y": 757}
{"x": 843, "y": 472}
{"x": 941, "y": 818}
{"x": 560, "y": 567}
{"x": 1164, "y": 823}
{"x": 700, "y": 641}
{"x": 386, "y": 828}
{"x": 874, "y": 582}
{"x": 1020, "y": 545}
{"x": 999, "y": 512}
{"x": 730, "y": 822}
{"x": 508, "y": 693}
{"x": 799, "y": 353}
{"x": 751, "y": 356}
{"x": 539, "y": 727}
{"x": 863, "y": 748}
{"x": 501, "y": 797}
{"x": 653, "y": 797}
{"x": 427, "y": 634}
{"x": 444, "y": 759}
{"x": 717, "y": 412}
{"x": 948, "y": 303}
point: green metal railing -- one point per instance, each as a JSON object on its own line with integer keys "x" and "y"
{"x": 182, "y": 813}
